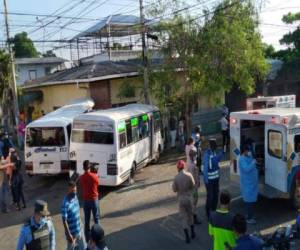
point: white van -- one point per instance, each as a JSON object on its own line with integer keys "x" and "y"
{"x": 262, "y": 102}
{"x": 274, "y": 135}
{"x": 48, "y": 138}
{"x": 117, "y": 140}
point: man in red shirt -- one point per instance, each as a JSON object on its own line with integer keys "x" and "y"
{"x": 89, "y": 183}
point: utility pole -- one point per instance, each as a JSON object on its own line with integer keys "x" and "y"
{"x": 13, "y": 71}
{"x": 145, "y": 56}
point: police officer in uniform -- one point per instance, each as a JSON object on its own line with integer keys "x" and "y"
{"x": 38, "y": 232}
{"x": 184, "y": 185}
{"x": 211, "y": 175}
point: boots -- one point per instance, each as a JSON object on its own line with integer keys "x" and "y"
{"x": 193, "y": 235}
{"x": 187, "y": 236}
{"x": 196, "y": 221}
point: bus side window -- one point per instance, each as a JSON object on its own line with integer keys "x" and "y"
{"x": 122, "y": 134}
{"x": 134, "y": 129}
{"x": 157, "y": 121}
{"x": 297, "y": 143}
{"x": 129, "y": 132}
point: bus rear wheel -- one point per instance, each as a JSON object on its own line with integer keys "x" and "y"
{"x": 130, "y": 179}
{"x": 157, "y": 155}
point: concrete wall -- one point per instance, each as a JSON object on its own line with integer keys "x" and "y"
{"x": 59, "y": 95}
{"x": 115, "y": 85}
{"x": 105, "y": 94}
{"x": 22, "y": 71}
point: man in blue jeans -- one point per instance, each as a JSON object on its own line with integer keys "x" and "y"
{"x": 89, "y": 183}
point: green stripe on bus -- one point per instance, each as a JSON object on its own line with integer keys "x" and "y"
{"x": 145, "y": 118}
{"x": 134, "y": 122}
{"x": 121, "y": 126}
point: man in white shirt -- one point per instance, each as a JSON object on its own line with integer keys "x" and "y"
{"x": 225, "y": 131}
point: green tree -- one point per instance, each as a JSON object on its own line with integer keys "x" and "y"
{"x": 291, "y": 39}
{"x": 6, "y": 93}
{"x": 225, "y": 51}
{"x": 23, "y": 46}
{"x": 269, "y": 51}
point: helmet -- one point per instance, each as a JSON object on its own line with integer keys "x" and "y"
{"x": 180, "y": 165}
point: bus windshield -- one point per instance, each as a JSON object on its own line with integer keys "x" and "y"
{"x": 47, "y": 136}
{"x": 96, "y": 137}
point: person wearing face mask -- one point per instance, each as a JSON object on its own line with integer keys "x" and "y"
{"x": 38, "y": 232}
{"x": 248, "y": 182}
{"x": 70, "y": 212}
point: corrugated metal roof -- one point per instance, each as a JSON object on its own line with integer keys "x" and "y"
{"x": 116, "y": 25}
{"x": 90, "y": 72}
{"x": 39, "y": 60}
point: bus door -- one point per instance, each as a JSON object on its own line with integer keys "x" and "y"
{"x": 275, "y": 156}
{"x": 151, "y": 134}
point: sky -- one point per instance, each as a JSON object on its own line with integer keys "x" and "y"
{"x": 271, "y": 12}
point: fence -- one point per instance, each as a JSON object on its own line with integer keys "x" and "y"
{"x": 209, "y": 119}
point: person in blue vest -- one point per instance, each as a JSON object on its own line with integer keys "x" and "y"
{"x": 211, "y": 175}
{"x": 38, "y": 232}
{"x": 248, "y": 182}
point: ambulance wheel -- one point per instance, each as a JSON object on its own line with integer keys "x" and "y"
{"x": 295, "y": 198}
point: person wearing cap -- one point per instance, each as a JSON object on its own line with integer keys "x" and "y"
{"x": 248, "y": 182}
{"x": 211, "y": 175}
{"x": 194, "y": 170}
{"x": 184, "y": 185}
{"x": 97, "y": 239}
{"x": 70, "y": 212}
{"x": 38, "y": 232}
{"x": 89, "y": 183}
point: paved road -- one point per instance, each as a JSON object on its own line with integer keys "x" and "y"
{"x": 142, "y": 216}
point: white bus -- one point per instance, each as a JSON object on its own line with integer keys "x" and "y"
{"x": 118, "y": 140}
{"x": 261, "y": 102}
{"x": 48, "y": 139}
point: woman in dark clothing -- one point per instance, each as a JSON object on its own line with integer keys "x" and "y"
{"x": 17, "y": 182}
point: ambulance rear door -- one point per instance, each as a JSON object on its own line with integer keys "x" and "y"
{"x": 275, "y": 156}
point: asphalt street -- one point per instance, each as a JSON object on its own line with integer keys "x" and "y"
{"x": 143, "y": 215}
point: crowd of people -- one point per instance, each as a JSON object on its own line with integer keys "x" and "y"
{"x": 11, "y": 179}
{"x": 38, "y": 233}
{"x": 228, "y": 231}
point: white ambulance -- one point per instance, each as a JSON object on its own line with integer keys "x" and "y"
{"x": 48, "y": 139}
{"x": 262, "y": 102}
{"x": 274, "y": 135}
